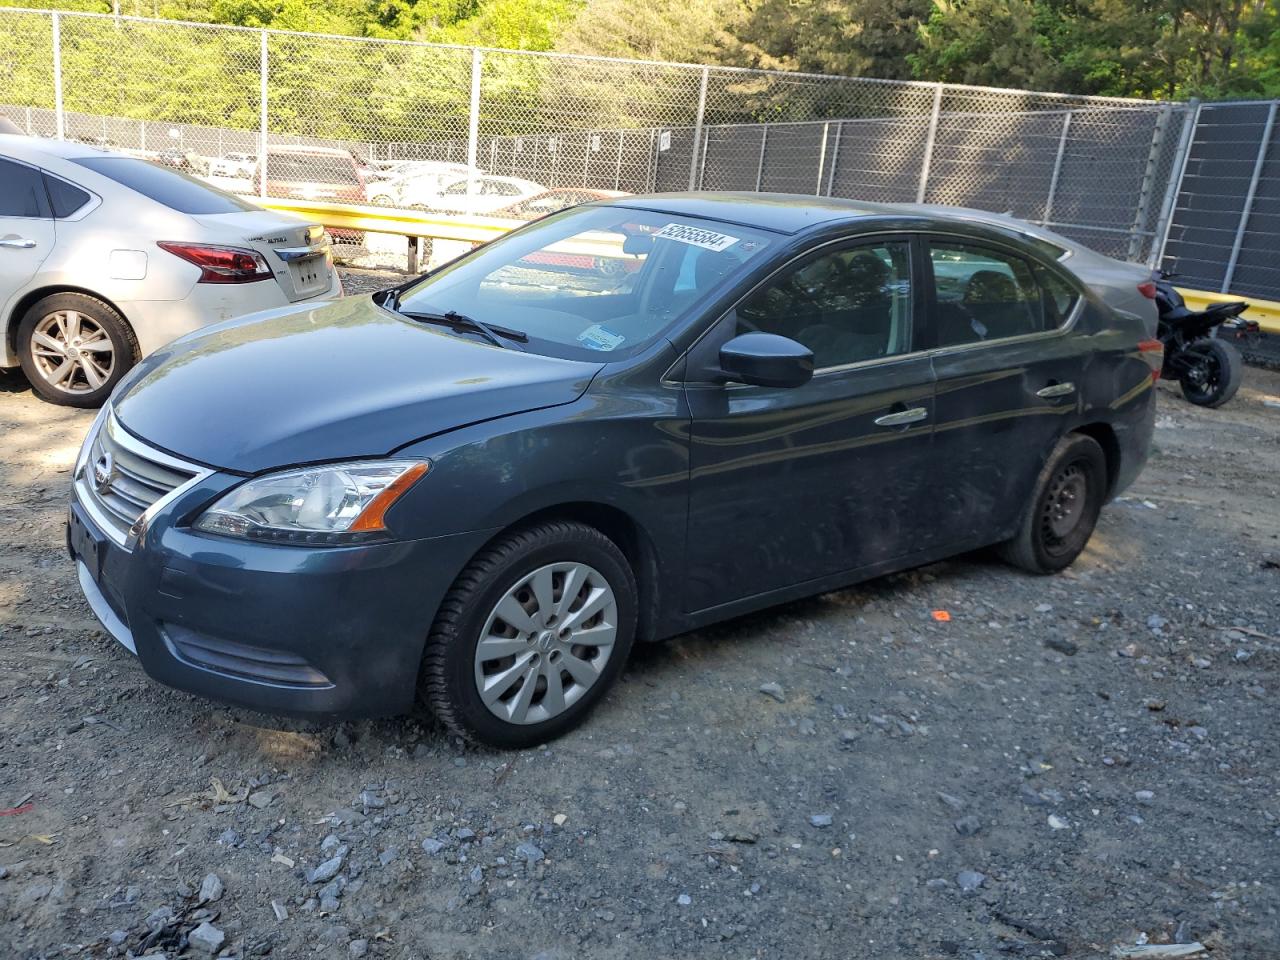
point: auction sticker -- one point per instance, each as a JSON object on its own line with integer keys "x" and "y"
{"x": 697, "y": 237}
{"x": 597, "y": 337}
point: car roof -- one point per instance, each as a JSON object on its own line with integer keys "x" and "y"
{"x": 31, "y": 148}
{"x": 792, "y": 213}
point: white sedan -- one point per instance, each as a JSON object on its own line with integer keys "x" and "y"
{"x": 105, "y": 257}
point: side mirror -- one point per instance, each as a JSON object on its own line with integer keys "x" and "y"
{"x": 766, "y": 360}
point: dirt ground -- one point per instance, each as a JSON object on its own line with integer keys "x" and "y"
{"x": 1067, "y": 765}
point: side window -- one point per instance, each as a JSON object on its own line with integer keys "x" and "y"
{"x": 21, "y": 191}
{"x": 983, "y": 294}
{"x": 1059, "y": 297}
{"x": 846, "y": 306}
{"x": 64, "y": 197}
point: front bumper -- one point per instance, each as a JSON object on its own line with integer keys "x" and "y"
{"x": 281, "y": 629}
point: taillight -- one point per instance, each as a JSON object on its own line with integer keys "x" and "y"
{"x": 219, "y": 264}
{"x": 1148, "y": 289}
{"x": 1153, "y": 352}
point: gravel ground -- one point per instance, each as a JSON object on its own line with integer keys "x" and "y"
{"x": 1066, "y": 765}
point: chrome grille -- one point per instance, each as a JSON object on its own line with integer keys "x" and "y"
{"x": 122, "y": 477}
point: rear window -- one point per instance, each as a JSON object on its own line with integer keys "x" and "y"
{"x": 174, "y": 189}
{"x": 315, "y": 167}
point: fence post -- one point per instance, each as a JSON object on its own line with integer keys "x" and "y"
{"x": 835, "y": 157}
{"x": 617, "y": 173}
{"x": 1148, "y": 181}
{"x": 1057, "y": 171}
{"x": 764, "y": 142}
{"x": 262, "y": 113}
{"x": 822, "y": 159}
{"x": 697, "y": 128}
{"x": 1185, "y": 144}
{"x": 473, "y": 122}
{"x": 59, "y": 114}
{"x": 1247, "y": 210}
{"x": 930, "y": 137}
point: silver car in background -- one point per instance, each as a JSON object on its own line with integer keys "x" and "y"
{"x": 105, "y": 257}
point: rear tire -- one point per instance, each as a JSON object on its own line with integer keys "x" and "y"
{"x": 1064, "y": 507}
{"x": 1220, "y": 373}
{"x": 545, "y": 661}
{"x": 74, "y": 349}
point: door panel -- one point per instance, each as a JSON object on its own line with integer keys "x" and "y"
{"x": 1006, "y": 384}
{"x": 26, "y": 229}
{"x": 789, "y": 485}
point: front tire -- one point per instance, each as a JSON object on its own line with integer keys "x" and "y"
{"x": 74, "y": 349}
{"x": 530, "y": 636}
{"x": 1215, "y": 374}
{"x": 1064, "y": 508}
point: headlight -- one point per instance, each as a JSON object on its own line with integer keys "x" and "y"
{"x": 334, "y": 503}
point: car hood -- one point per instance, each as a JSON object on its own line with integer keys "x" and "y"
{"x": 333, "y": 381}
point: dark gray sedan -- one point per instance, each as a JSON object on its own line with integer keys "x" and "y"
{"x": 622, "y": 422}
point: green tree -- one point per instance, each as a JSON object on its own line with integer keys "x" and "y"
{"x": 861, "y": 38}
{"x": 674, "y": 30}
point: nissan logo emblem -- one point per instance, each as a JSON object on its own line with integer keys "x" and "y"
{"x": 104, "y": 469}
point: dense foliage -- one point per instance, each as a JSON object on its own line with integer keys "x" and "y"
{"x": 1163, "y": 48}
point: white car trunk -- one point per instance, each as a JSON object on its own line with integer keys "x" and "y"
{"x": 298, "y": 252}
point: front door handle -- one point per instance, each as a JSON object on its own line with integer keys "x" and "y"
{"x": 902, "y": 417}
{"x": 1056, "y": 390}
{"x": 17, "y": 243}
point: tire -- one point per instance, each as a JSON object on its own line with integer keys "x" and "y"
{"x": 1064, "y": 507}
{"x": 1223, "y": 372}
{"x": 519, "y": 568}
{"x": 82, "y": 377}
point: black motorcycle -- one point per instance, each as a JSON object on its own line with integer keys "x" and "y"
{"x": 1209, "y": 368}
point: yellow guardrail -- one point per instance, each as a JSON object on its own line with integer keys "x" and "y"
{"x": 1266, "y": 312}
{"x": 405, "y": 223}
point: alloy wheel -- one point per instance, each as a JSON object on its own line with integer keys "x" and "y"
{"x": 72, "y": 352}
{"x": 546, "y": 642}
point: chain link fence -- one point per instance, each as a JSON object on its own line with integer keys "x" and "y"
{"x": 470, "y": 130}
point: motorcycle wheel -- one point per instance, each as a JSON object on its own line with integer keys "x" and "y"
{"x": 1213, "y": 373}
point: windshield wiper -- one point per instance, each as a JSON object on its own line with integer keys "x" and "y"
{"x": 460, "y": 321}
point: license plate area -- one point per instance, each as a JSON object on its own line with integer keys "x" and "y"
{"x": 87, "y": 545}
{"x": 309, "y": 274}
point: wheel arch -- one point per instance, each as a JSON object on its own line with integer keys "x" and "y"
{"x": 31, "y": 297}
{"x": 1104, "y": 435}
{"x": 627, "y": 533}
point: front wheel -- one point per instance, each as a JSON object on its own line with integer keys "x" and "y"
{"x": 1064, "y": 507}
{"x": 1212, "y": 370}
{"x": 530, "y": 636}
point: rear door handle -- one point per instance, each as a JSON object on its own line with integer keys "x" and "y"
{"x": 1056, "y": 390}
{"x": 902, "y": 417}
{"x": 17, "y": 243}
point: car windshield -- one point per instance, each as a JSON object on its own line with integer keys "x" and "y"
{"x": 592, "y": 283}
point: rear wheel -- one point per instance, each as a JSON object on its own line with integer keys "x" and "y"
{"x": 1064, "y": 507}
{"x": 1212, "y": 371}
{"x": 74, "y": 349}
{"x": 530, "y": 636}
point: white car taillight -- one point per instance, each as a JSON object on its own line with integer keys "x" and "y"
{"x": 220, "y": 264}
